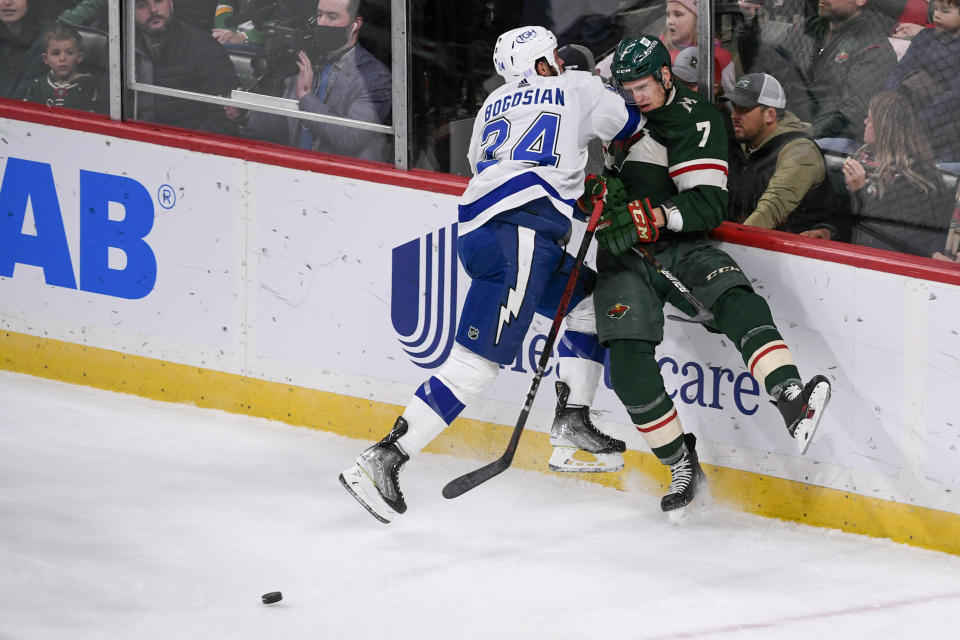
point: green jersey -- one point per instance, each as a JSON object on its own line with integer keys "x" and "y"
{"x": 680, "y": 156}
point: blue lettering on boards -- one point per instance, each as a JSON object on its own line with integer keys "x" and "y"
{"x": 29, "y": 182}
{"x": 26, "y": 181}
{"x": 98, "y": 233}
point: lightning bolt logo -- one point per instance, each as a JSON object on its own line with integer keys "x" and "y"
{"x": 511, "y": 309}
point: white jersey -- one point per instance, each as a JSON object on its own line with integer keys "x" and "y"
{"x": 530, "y": 140}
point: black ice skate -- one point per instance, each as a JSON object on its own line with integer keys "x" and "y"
{"x": 572, "y": 432}
{"x": 802, "y": 409}
{"x": 373, "y": 480}
{"x": 687, "y": 478}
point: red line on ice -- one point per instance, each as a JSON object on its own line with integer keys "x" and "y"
{"x": 807, "y": 617}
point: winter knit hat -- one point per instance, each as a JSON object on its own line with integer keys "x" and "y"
{"x": 689, "y": 5}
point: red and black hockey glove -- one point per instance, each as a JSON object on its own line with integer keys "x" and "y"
{"x": 594, "y": 193}
{"x": 624, "y": 225}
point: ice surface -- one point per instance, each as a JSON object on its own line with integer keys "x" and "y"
{"x": 127, "y": 518}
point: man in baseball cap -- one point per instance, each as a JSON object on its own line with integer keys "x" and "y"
{"x": 755, "y": 89}
{"x": 779, "y": 181}
{"x": 758, "y": 106}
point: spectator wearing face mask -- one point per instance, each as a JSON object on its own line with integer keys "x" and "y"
{"x": 342, "y": 79}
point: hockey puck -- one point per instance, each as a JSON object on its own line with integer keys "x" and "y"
{"x": 270, "y": 598}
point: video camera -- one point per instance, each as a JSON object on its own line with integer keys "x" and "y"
{"x": 287, "y": 27}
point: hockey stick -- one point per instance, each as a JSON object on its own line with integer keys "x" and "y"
{"x": 703, "y": 314}
{"x": 459, "y": 486}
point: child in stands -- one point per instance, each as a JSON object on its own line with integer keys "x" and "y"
{"x": 929, "y": 76}
{"x": 63, "y": 85}
{"x": 681, "y": 32}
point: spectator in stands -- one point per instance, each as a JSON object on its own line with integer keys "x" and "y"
{"x": 171, "y": 53}
{"x": 199, "y": 13}
{"x": 577, "y": 57}
{"x": 853, "y": 59}
{"x": 343, "y": 79}
{"x": 225, "y": 27}
{"x": 681, "y": 32}
{"x": 20, "y": 46}
{"x": 63, "y": 85}
{"x": 780, "y": 180}
{"x": 81, "y": 12}
{"x": 909, "y": 17}
{"x": 898, "y": 196}
{"x": 686, "y": 70}
{"x": 762, "y": 44}
{"x": 929, "y": 76}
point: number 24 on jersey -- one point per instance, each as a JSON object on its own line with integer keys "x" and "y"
{"x": 537, "y": 145}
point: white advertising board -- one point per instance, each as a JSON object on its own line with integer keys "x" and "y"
{"x": 351, "y": 287}
{"x": 75, "y": 199}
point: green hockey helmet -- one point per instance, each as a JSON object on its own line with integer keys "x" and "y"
{"x": 639, "y": 57}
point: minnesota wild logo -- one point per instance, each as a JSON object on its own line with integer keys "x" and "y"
{"x": 617, "y": 311}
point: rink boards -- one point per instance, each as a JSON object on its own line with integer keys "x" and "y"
{"x": 271, "y": 283}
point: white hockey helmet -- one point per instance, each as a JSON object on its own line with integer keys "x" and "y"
{"x": 516, "y": 53}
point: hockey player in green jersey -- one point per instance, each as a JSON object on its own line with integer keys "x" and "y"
{"x": 666, "y": 190}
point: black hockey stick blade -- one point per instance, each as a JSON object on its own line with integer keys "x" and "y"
{"x": 459, "y": 486}
{"x": 466, "y": 482}
{"x": 702, "y": 317}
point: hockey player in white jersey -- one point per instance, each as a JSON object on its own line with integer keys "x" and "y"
{"x": 527, "y": 153}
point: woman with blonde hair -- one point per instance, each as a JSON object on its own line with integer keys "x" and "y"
{"x": 681, "y": 32}
{"x": 898, "y": 197}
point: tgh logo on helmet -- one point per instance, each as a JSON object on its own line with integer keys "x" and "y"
{"x": 526, "y": 35}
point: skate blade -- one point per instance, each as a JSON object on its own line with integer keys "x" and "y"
{"x": 564, "y": 460}
{"x": 359, "y": 485}
{"x": 693, "y": 509}
{"x": 678, "y": 516}
{"x": 807, "y": 427}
